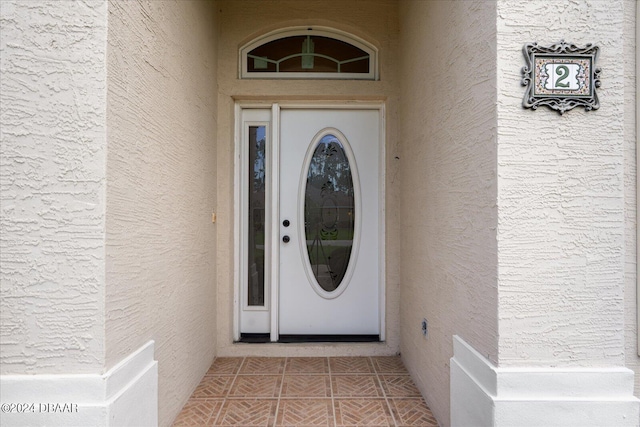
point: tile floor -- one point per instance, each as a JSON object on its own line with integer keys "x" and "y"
{"x": 306, "y": 391}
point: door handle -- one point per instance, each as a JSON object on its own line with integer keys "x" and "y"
{"x": 286, "y": 239}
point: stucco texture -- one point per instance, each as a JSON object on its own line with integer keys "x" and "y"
{"x": 561, "y": 197}
{"x": 514, "y": 229}
{"x": 52, "y": 185}
{"x": 448, "y": 165}
{"x": 631, "y": 34}
{"x": 242, "y": 21}
{"x": 161, "y": 190}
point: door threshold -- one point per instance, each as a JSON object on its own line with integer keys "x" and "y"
{"x": 296, "y": 339}
{"x": 255, "y": 338}
{"x": 328, "y": 338}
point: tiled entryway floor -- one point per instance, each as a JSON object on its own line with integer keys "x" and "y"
{"x": 306, "y": 391}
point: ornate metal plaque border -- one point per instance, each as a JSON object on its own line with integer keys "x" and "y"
{"x": 568, "y": 89}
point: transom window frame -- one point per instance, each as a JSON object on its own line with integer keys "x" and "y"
{"x": 318, "y": 31}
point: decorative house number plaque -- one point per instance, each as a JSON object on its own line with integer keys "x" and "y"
{"x": 561, "y": 76}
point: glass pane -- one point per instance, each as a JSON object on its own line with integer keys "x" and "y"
{"x": 256, "y": 232}
{"x": 308, "y": 54}
{"x": 329, "y": 213}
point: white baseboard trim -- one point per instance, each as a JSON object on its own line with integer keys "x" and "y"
{"x": 126, "y": 395}
{"x": 484, "y": 395}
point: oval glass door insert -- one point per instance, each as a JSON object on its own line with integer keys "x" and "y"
{"x": 329, "y": 213}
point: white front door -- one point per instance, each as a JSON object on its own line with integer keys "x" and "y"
{"x": 312, "y": 225}
{"x": 329, "y": 193}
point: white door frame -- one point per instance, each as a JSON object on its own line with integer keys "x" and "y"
{"x": 272, "y": 260}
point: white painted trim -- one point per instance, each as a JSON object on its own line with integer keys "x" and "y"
{"x": 483, "y": 394}
{"x": 332, "y": 105}
{"x": 237, "y": 226}
{"x": 274, "y": 255}
{"x": 382, "y": 220}
{"x": 126, "y": 395}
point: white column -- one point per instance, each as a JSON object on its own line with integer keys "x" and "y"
{"x": 485, "y": 395}
{"x": 126, "y": 395}
{"x": 561, "y": 238}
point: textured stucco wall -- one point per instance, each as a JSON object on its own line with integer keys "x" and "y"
{"x": 161, "y": 190}
{"x": 52, "y": 181}
{"x": 242, "y": 21}
{"x": 632, "y": 361}
{"x": 561, "y": 196}
{"x": 448, "y": 178}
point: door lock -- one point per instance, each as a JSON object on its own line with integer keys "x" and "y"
{"x": 286, "y": 223}
{"x": 286, "y": 239}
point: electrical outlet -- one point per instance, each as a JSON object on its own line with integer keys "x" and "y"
{"x": 424, "y": 327}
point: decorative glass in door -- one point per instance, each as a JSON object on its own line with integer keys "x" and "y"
{"x": 329, "y": 213}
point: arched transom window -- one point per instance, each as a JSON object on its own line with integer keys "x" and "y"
{"x": 308, "y": 53}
